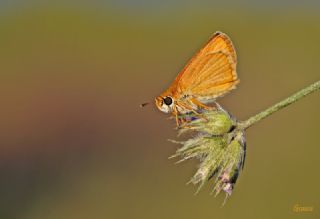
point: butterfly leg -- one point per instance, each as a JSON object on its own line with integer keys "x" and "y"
{"x": 201, "y": 105}
{"x": 176, "y": 113}
{"x": 189, "y": 107}
{"x": 181, "y": 121}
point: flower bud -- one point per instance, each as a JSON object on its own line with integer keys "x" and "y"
{"x": 219, "y": 146}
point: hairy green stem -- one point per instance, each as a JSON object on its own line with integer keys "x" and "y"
{"x": 286, "y": 102}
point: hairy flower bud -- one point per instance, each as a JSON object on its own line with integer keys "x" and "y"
{"x": 219, "y": 146}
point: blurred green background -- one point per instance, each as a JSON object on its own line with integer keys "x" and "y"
{"x": 75, "y": 144}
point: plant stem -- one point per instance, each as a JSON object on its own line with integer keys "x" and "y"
{"x": 286, "y": 102}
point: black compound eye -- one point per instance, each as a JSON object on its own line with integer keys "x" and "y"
{"x": 168, "y": 101}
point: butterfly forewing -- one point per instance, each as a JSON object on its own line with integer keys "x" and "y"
{"x": 211, "y": 72}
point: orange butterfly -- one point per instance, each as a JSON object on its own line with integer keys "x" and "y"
{"x": 210, "y": 74}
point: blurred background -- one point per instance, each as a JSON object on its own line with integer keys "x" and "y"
{"x": 76, "y": 144}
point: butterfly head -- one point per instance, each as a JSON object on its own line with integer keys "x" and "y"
{"x": 165, "y": 103}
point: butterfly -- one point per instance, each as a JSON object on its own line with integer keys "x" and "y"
{"x": 209, "y": 74}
